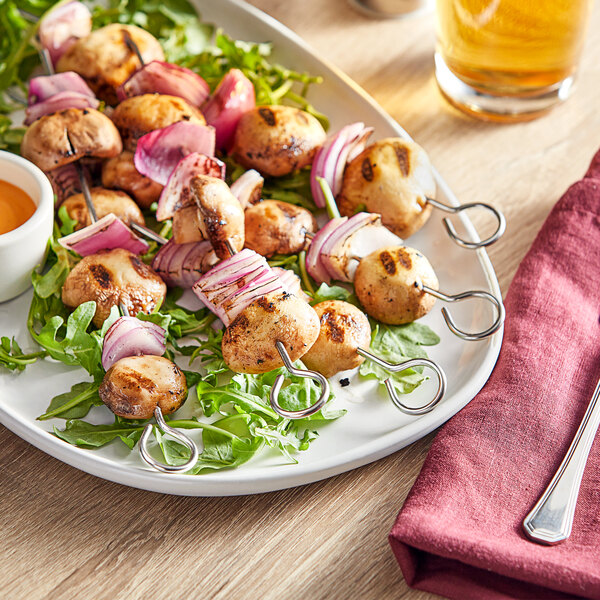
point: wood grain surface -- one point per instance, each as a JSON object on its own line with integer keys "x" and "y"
{"x": 66, "y": 534}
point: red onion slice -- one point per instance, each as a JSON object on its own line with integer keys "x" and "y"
{"x": 176, "y": 193}
{"x": 369, "y": 238}
{"x": 224, "y": 290}
{"x": 315, "y": 267}
{"x": 247, "y": 188}
{"x": 128, "y": 336}
{"x": 169, "y": 260}
{"x": 63, "y": 26}
{"x": 45, "y": 86}
{"x": 229, "y": 286}
{"x": 331, "y": 159}
{"x": 291, "y": 282}
{"x": 159, "y": 77}
{"x": 65, "y": 181}
{"x": 241, "y": 259}
{"x": 200, "y": 260}
{"x": 233, "y": 97}
{"x": 105, "y": 234}
{"x": 58, "y": 102}
{"x": 159, "y": 152}
{"x": 182, "y": 265}
{"x": 266, "y": 283}
{"x": 334, "y": 250}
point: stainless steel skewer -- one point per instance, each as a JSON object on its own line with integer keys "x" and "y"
{"x": 500, "y": 227}
{"x": 551, "y": 519}
{"x": 165, "y": 428}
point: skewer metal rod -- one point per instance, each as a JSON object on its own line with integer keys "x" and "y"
{"x": 85, "y": 188}
{"x": 151, "y": 235}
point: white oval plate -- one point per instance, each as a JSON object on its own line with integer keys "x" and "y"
{"x": 373, "y": 428}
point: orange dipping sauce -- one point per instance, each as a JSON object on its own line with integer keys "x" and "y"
{"x": 16, "y": 207}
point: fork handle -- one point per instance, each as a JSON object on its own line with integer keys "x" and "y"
{"x": 551, "y": 519}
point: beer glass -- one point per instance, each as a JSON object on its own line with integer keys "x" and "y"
{"x": 508, "y": 60}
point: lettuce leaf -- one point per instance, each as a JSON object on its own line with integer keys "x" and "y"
{"x": 397, "y": 343}
{"x": 86, "y": 435}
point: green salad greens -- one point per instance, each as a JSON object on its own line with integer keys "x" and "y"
{"x": 238, "y": 419}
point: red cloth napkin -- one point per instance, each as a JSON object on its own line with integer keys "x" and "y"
{"x": 459, "y": 533}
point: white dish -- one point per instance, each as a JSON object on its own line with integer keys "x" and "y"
{"x": 373, "y": 428}
{"x": 23, "y": 248}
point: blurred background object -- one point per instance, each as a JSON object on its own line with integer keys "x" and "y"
{"x": 392, "y": 9}
{"x": 508, "y": 60}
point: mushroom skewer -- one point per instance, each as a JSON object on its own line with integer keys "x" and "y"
{"x": 85, "y": 188}
{"x": 111, "y": 389}
{"x": 394, "y": 177}
{"x": 393, "y": 368}
{"x": 133, "y": 47}
{"x": 397, "y": 285}
{"x": 344, "y": 335}
{"x": 260, "y": 321}
{"x": 308, "y": 374}
{"x": 403, "y": 366}
{"x": 46, "y": 60}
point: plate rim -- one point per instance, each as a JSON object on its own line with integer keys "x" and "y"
{"x": 245, "y": 482}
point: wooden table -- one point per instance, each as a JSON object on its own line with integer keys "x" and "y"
{"x": 66, "y": 534}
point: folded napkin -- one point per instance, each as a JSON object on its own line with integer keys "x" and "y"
{"x": 459, "y": 533}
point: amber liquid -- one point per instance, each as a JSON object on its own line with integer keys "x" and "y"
{"x": 512, "y": 47}
{"x": 16, "y": 207}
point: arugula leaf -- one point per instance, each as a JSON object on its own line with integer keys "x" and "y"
{"x": 10, "y": 137}
{"x": 215, "y": 399}
{"x": 49, "y": 278}
{"x": 227, "y": 443}
{"x": 13, "y": 358}
{"x": 285, "y": 437}
{"x": 67, "y": 225}
{"x": 174, "y": 23}
{"x": 298, "y": 393}
{"x": 176, "y": 320}
{"x": 293, "y": 188}
{"x": 333, "y": 292}
{"x": 249, "y": 393}
{"x": 18, "y": 57}
{"x": 77, "y": 347}
{"x": 174, "y": 453}
{"x": 285, "y": 261}
{"x": 221, "y": 452}
{"x": 273, "y": 83}
{"x": 85, "y": 435}
{"x": 396, "y": 343}
{"x": 74, "y": 404}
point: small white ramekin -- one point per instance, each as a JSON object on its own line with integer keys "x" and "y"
{"x": 23, "y": 248}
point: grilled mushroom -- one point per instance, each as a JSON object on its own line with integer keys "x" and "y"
{"x": 344, "y": 329}
{"x": 120, "y": 173}
{"x": 274, "y": 227}
{"x": 138, "y": 115}
{"x": 393, "y": 177}
{"x": 388, "y": 284}
{"x": 249, "y": 341}
{"x": 134, "y": 386}
{"x": 277, "y": 140}
{"x": 221, "y": 217}
{"x": 66, "y": 136}
{"x": 105, "y": 202}
{"x": 106, "y": 60}
{"x": 110, "y": 278}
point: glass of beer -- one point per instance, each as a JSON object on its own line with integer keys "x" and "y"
{"x": 508, "y": 60}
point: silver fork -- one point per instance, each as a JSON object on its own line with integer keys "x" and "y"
{"x": 551, "y": 519}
